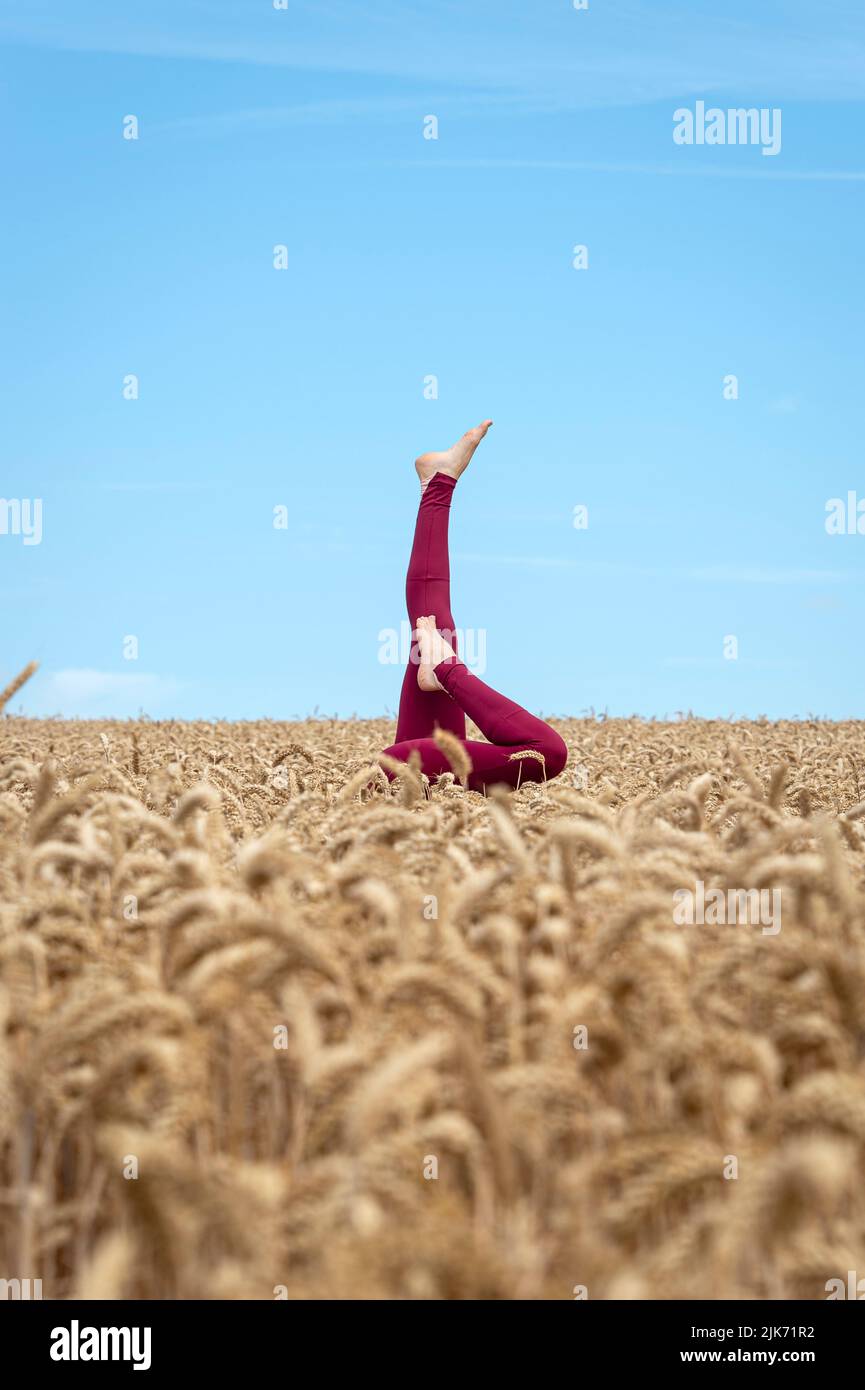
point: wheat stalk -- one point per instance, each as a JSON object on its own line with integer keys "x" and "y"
{"x": 15, "y": 685}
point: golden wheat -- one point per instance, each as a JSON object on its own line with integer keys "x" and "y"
{"x": 273, "y": 1025}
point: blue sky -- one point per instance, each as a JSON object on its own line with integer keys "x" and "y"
{"x": 408, "y": 257}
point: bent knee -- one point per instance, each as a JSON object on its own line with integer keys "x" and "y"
{"x": 432, "y": 760}
{"x": 398, "y": 754}
{"x": 555, "y": 752}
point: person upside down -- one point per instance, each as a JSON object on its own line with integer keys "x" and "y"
{"x": 438, "y": 690}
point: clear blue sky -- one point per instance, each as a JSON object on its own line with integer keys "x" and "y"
{"x": 409, "y": 257}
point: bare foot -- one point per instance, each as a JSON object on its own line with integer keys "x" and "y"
{"x": 454, "y": 460}
{"x": 433, "y": 649}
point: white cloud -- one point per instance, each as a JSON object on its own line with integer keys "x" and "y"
{"x": 524, "y": 561}
{"x": 623, "y": 54}
{"x": 718, "y": 663}
{"x": 85, "y": 692}
{"x": 746, "y": 574}
{"x": 335, "y": 111}
{"x": 713, "y": 574}
{"x": 683, "y": 169}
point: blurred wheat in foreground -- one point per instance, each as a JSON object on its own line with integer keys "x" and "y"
{"x": 271, "y": 1026}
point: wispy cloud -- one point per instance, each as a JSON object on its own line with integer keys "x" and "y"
{"x": 717, "y": 663}
{"x": 823, "y": 603}
{"x": 756, "y": 574}
{"x": 85, "y": 692}
{"x": 153, "y": 487}
{"x": 684, "y": 169}
{"x": 711, "y": 574}
{"x": 337, "y": 111}
{"x": 524, "y": 561}
{"x": 612, "y": 55}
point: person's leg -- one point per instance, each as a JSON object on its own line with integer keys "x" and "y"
{"x": 427, "y": 590}
{"x": 427, "y": 587}
{"x": 438, "y": 690}
{"x": 509, "y": 727}
{"x": 506, "y": 724}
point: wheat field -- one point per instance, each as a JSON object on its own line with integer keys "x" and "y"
{"x": 271, "y": 1026}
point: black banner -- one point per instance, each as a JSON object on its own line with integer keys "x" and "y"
{"x": 158, "y": 1339}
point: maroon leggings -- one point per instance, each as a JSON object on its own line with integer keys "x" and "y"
{"x": 508, "y": 727}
